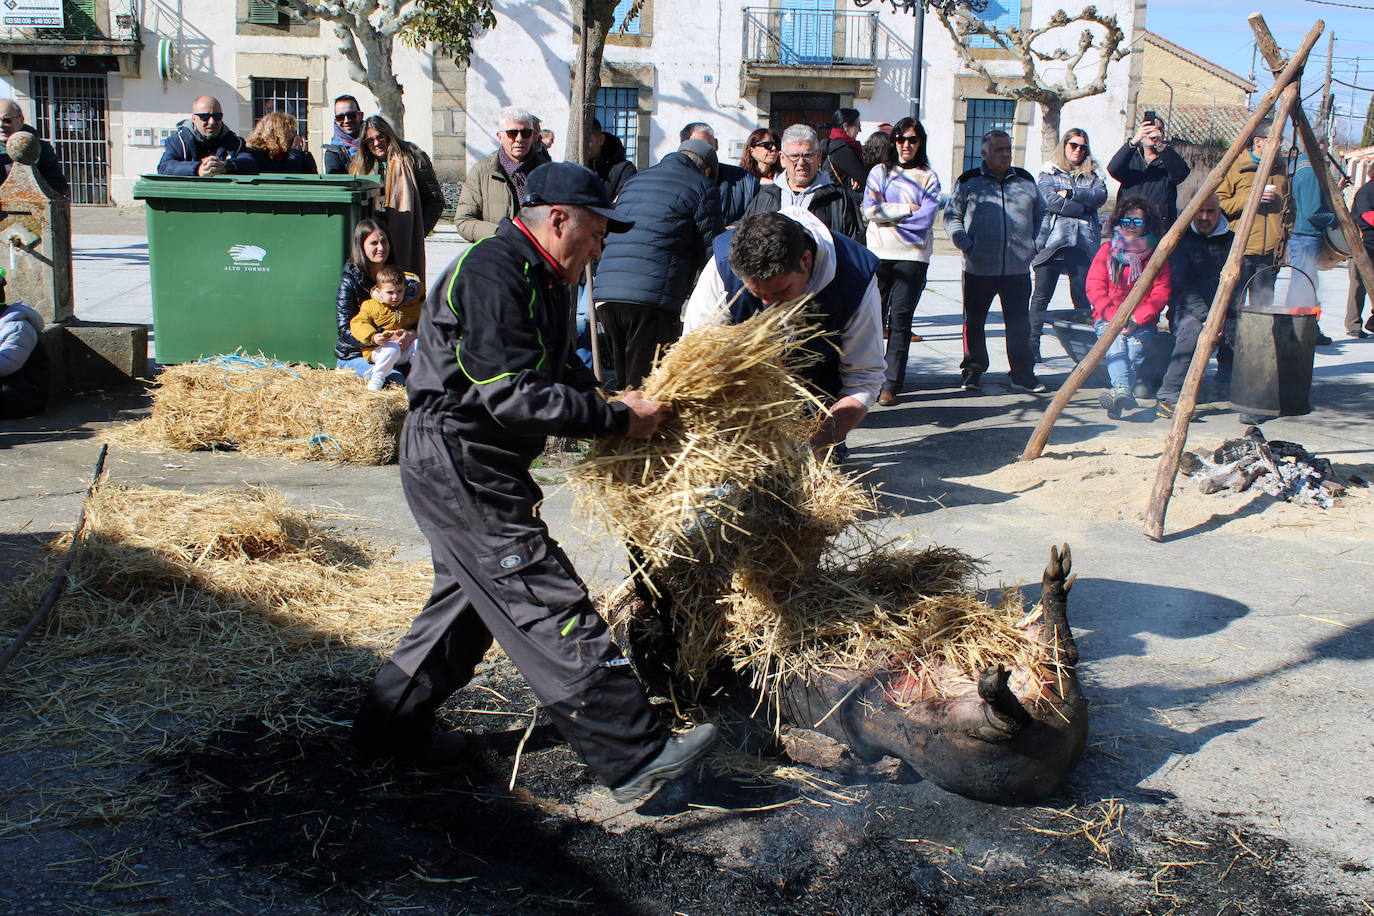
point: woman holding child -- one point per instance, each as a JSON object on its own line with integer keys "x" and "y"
{"x": 371, "y": 253}
{"x": 1134, "y": 231}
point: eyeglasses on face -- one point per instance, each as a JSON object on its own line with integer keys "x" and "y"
{"x": 8, "y": 120}
{"x": 209, "y": 116}
{"x": 1073, "y": 145}
{"x": 348, "y": 116}
{"x": 766, "y": 144}
{"x": 908, "y": 138}
{"x": 375, "y": 140}
{"x": 801, "y": 157}
{"x": 1133, "y": 221}
{"x": 524, "y": 133}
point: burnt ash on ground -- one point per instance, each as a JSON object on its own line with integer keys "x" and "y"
{"x": 301, "y": 815}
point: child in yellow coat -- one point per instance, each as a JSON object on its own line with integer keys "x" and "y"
{"x": 386, "y": 325}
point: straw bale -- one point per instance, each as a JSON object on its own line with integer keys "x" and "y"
{"x": 186, "y": 612}
{"x": 262, "y": 407}
{"x": 759, "y": 548}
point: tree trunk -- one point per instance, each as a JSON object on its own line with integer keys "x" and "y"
{"x": 1049, "y": 130}
{"x": 593, "y": 18}
{"x": 381, "y": 77}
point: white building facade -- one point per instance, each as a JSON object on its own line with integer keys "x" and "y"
{"x": 116, "y": 79}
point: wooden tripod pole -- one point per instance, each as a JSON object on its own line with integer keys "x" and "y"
{"x": 1211, "y": 330}
{"x": 1359, "y": 256}
{"x": 1080, "y": 374}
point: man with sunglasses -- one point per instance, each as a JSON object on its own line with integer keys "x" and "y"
{"x": 805, "y": 185}
{"x": 348, "y": 133}
{"x": 493, "y": 187}
{"x": 11, "y": 123}
{"x": 205, "y": 147}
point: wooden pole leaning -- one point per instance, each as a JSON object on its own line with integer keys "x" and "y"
{"x": 1036, "y": 446}
{"x": 1211, "y": 330}
{"x": 1359, "y": 256}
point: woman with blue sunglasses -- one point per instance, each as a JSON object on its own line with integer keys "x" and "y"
{"x": 1134, "y": 232}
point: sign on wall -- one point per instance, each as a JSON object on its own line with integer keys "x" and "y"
{"x": 31, "y": 14}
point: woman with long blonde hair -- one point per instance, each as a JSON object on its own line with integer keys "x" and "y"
{"x": 1073, "y": 190}
{"x": 275, "y": 147}
{"x": 411, "y": 197}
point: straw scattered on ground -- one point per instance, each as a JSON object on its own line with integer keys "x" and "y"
{"x": 185, "y": 612}
{"x": 263, "y": 407}
{"x": 758, "y": 546}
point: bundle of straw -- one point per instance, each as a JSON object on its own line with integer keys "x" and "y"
{"x": 263, "y": 407}
{"x": 184, "y": 613}
{"x": 756, "y": 546}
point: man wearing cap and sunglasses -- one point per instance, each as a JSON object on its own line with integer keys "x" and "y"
{"x": 204, "y": 146}
{"x": 493, "y": 188}
{"x": 348, "y": 133}
{"x": 494, "y": 374}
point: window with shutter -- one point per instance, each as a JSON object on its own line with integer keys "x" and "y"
{"x": 264, "y": 12}
{"x": 80, "y": 19}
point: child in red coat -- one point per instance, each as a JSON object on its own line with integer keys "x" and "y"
{"x": 1134, "y": 231}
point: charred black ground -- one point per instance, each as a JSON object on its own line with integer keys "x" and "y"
{"x": 318, "y": 824}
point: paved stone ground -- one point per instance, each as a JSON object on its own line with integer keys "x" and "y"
{"x": 1227, "y": 670}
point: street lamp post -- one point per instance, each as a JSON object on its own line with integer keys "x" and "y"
{"x": 917, "y": 46}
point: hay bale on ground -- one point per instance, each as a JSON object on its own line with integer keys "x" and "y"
{"x": 185, "y": 613}
{"x": 757, "y": 546}
{"x": 263, "y": 407}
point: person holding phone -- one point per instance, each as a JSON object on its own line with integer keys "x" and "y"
{"x": 1147, "y": 166}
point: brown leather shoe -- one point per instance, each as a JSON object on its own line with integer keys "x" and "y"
{"x": 887, "y": 399}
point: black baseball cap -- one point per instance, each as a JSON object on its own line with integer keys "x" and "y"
{"x": 574, "y": 185}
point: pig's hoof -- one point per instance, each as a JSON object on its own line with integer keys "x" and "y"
{"x": 1059, "y": 571}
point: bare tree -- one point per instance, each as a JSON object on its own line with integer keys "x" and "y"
{"x": 594, "y": 19}
{"x": 1100, "y": 44}
{"x": 367, "y": 31}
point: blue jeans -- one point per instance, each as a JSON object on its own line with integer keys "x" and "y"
{"x": 362, "y": 367}
{"x": 1302, "y": 255}
{"x": 1125, "y": 354}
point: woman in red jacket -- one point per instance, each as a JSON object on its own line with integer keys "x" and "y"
{"x": 1134, "y": 231}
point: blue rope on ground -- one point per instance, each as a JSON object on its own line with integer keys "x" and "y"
{"x": 326, "y": 443}
{"x": 239, "y": 361}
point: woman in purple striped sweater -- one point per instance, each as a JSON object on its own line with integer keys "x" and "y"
{"x": 901, "y": 197}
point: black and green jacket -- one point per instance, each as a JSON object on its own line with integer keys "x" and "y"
{"x": 495, "y": 353}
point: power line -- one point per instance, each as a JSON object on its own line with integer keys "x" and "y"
{"x": 1352, "y": 6}
{"x": 1351, "y": 85}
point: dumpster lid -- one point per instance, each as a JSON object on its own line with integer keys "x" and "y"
{"x": 284, "y": 188}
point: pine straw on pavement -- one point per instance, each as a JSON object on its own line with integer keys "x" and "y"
{"x": 759, "y": 546}
{"x": 263, "y": 407}
{"x": 184, "y": 613}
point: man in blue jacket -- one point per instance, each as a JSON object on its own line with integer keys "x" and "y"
{"x": 204, "y": 147}
{"x": 647, "y": 273}
{"x": 993, "y": 217}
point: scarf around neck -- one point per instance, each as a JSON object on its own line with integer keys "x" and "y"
{"x": 515, "y": 171}
{"x": 1128, "y": 257}
{"x": 350, "y": 144}
{"x": 837, "y": 133}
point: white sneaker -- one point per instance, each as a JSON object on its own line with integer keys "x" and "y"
{"x": 375, "y": 381}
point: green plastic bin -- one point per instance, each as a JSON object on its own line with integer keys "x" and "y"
{"x": 249, "y": 262}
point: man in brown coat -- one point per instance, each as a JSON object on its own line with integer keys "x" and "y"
{"x": 1265, "y": 240}
{"x": 493, "y": 187}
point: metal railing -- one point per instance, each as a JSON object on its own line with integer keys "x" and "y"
{"x": 800, "y": 38}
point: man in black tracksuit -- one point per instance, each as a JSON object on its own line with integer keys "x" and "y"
{"x": 1195, "y": 269}
{"x": 494, "y": 375}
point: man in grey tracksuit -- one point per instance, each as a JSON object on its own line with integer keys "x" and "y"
{"x": 993, "y": 217}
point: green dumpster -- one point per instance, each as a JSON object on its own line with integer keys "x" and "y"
{"x": 249, "y": 261}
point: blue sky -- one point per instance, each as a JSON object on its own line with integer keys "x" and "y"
{"x": 1217, "y": 30}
